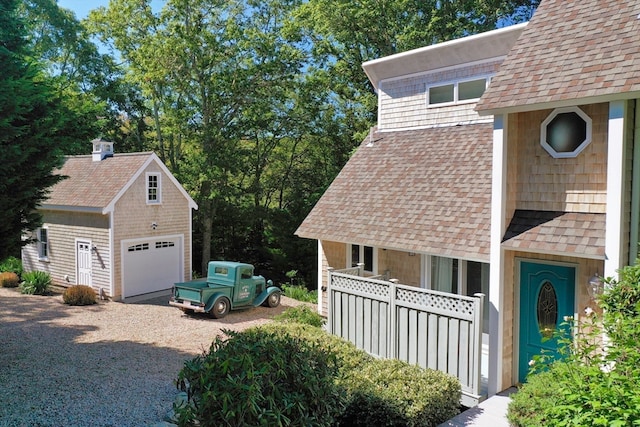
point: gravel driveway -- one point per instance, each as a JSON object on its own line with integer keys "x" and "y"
{"x": 111, "y": 364}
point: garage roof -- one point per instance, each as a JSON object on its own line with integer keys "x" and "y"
{"x": 96, "y": 185}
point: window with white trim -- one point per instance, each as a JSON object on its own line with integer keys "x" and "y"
{"x": 362, "y": 254}
{"x": 153, "y": 188}
{"x": 565, "y": 132}
{"x": 453, "y": 93}
{"x": 42, "y": 236}
{"x": 457, "y": 276}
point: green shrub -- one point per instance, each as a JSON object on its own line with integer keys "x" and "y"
{"x": 393, "y": 393}
{"x": 11, "y": 264}
{"x": 363, "y": 390}
{"x": 9, "y": 279}
{"x": 260, "y": 378}
{"x": 301, "y": 314}
{"x": 35, "y": 283}
{"x": 79, "y": 295}
{"x": 300, "y": 293}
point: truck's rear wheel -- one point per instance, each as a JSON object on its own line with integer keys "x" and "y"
{"x": 273, "y": 300}
{"x": 220, "y": 308}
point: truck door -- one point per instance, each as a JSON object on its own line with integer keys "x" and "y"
{"x": 245, "y": 289}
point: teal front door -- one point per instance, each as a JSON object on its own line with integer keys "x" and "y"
{"x": 546, "y": 297}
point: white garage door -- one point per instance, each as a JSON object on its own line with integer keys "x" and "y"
{"x": 151, "y": 265}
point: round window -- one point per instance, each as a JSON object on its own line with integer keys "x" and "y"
{"x": 566, "y": 132}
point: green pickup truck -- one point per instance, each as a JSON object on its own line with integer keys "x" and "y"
{"x": 228, "y": 286}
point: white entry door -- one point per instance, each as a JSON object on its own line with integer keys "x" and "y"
{"x": 83, "y": 261}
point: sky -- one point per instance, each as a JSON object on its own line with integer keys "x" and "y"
{"x": 82, "y": 7}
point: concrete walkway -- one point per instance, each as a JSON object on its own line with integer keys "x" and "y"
{"x": 489, "y": 413}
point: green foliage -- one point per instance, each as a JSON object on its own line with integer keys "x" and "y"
{"x": 35, "y": 283}
{"x": 233, "y": 382}
{"x": 12, "y": 264}
{"x": 593, "y": 385}
{"x": 300, "y": 293}
{"x": 79, "y": 295}
{"x": 9, "y": 279}
{"x": 393, "y": 393}
{"x": 302, "y": 314}
{"x": 259, "y": 378}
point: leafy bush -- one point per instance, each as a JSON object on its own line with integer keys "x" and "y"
{"x": 9, "y": 279}
{"x": 235, "y": 381}
{"x": 301, "y": 314}
{"x": 260, "y": 378}
{"x": 297, "y": 289}
{"x": 35, "y": 283}
{"x": 300, "y": 293}
{"x": 393, "y": 393}
{"x": 79, "y": 295}
{"x": 590, "y": 387}
{"x": 11, "y": 264}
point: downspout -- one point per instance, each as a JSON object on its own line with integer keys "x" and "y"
{"x": 635, "y": 188}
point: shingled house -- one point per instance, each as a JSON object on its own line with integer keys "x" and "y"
{"x": 120, "y": 223}
{"x": 526, "y": 191}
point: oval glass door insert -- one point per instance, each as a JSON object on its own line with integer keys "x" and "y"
{"x": 547, "y": 310}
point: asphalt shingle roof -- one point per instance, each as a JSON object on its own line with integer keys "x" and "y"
{"x": 94, "y": 184}
{"x": 571, "y": 50}
{"x": 426, "y": 190}
{"x": 569, "y": 233}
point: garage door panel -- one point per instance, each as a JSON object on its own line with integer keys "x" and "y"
{"x": 151, "y": 265}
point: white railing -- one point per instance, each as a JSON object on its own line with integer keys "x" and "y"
{"x": 432, "y": 329}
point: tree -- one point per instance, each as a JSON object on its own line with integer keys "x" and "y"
{"x": 31, "y": 122}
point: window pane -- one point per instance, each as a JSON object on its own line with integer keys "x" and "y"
{"x": 368, "y": 258}
{"x": 355, "y": 255}
{"x": 440, "y": 94}
{"x": 566, "y": 132}
{"x": 471, "y": 90}
{"x": 444, "y": 274}
{"x": 478, "y": 282}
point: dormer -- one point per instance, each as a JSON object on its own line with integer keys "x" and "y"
{"x": 101, "y": 149}
{"x": 438, "y": 85}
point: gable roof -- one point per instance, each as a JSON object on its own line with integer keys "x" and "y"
{"x": 572, "y": 52}
{"x": 426, "y": 190}
{"x": 95, "y": 186}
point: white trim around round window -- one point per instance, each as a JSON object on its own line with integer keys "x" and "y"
{"x": 584, "y": 135}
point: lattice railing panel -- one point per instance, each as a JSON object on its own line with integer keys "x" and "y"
{"x": 453, "y": 304}
{"x": 361, "y": 285}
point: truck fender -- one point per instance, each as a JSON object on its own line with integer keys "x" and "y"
{"x": 212, "y": 300}
{"x": 265, "y": 294}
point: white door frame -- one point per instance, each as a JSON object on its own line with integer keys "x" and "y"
{"x": 88, "y": 271}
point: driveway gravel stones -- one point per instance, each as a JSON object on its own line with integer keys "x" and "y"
{"x": 111, "y": 364}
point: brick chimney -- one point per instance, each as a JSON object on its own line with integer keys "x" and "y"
{"x": 101, "y": 149}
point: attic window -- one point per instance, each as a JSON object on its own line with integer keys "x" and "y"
{"x": 153, "y": 188}
{"x": 565, "y": 132}
{"x": 456, "y": 92}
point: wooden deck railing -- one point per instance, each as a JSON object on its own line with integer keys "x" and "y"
{"x": 432, "y": 329}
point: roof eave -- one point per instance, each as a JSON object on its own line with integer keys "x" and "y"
{"x": 69, "y": 208}
{"x": 558, "y": 104}
{"x": 477, "y": 47}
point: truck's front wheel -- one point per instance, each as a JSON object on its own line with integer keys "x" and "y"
{"x": 273, "y": 300}
{"x": 220, "y": 308}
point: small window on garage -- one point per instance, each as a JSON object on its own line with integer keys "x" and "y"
{"x": 139, "y": 247}
{"x": 565, "y": 132}
{"x": 153, "y": 188}
{"x": 165, "y": 245}
{"x": 42, "y": 236}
